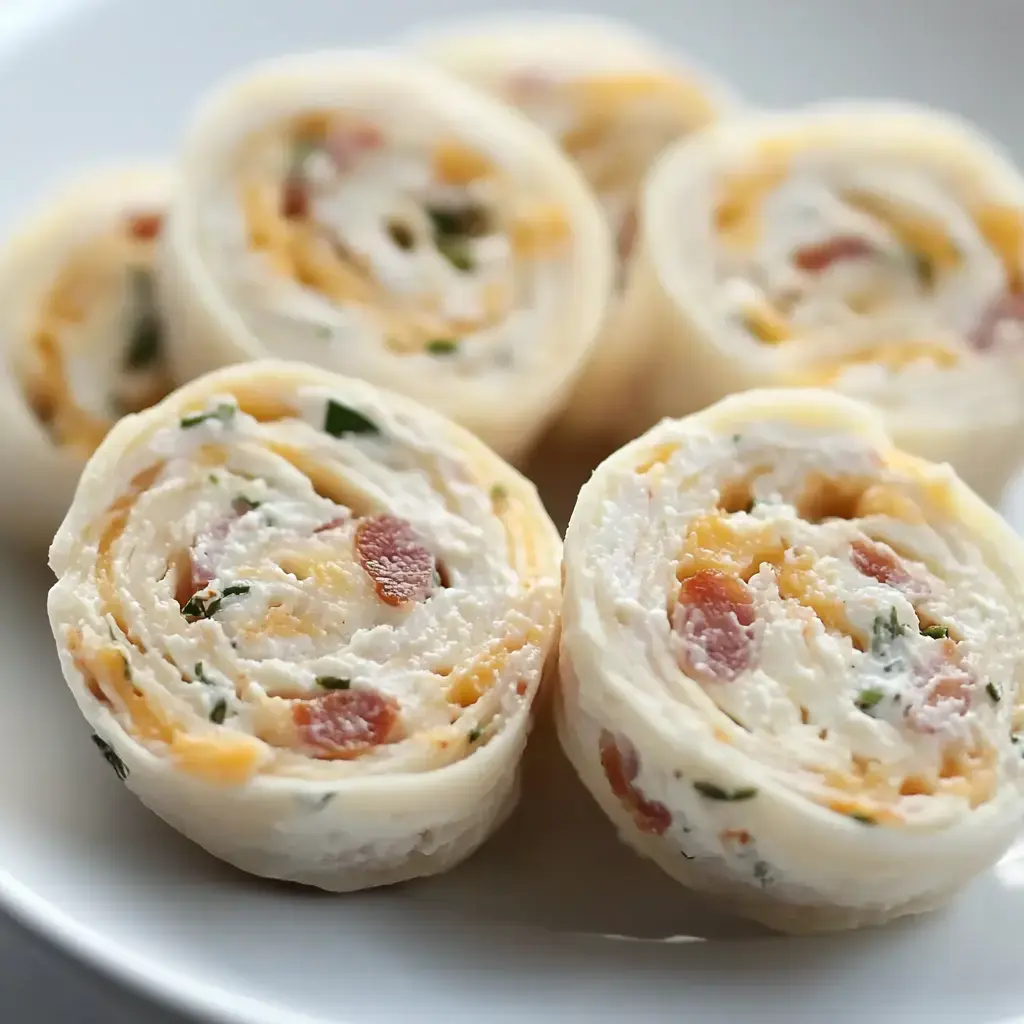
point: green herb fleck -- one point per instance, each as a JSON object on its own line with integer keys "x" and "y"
{"x": 995, "y": 694}
{"x": 241, "y": 504}
{"x": 324, "y": 331}
{"x": 474, "y": 735}
{"x": 924, "y": 270}
{"x": 218, "y": 711}
{"x": 333, "y": 682}
{"x": 456, "y": 251}
{"x": 201, "y": 676}
{"x": 499, "y": 493}
{"x": 199, "y": 607}
{"x": 864, "y": 819}
{"x": 868, "y": 698}
{"x": 341, "y": 420}
{"x": 146, "y": 340}
{"x": 935, "y": 632}
{"x": 223, "y": 412}
{"x": 401, "y": 234}
{"x": 110, "y": 756}
{"x": 736, "y": 438}
{"x": 884, "y": 630}
{"x": 443, "y": 347}
{"x": 468, "y": 220}
{"x": 713, "y": 792}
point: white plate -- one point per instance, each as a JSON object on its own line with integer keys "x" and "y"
{"x": 552, "y": 920}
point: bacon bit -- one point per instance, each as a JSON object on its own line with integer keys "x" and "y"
{"x": 621, "y": 766}
{"x": 294, "y": 199}
{"x": 821, "y": 256}
{"x": 344, "y": 724}
{"x": 739, "y": 835}
{"x": 878, "y": 562}
{"x": 714, "y": 616}
{"x": 332, "y": 524}
{"x": 1007, "y": 307}
{"x": 344, "y": 143}
{"x": 626, "y": 238}
{"x": 145, "y": 226}
{"x": 946, "y": 684}
{"x": 521, "y": 688}
{"x": 401, "y": 568}
{"x": 190, "y": 578}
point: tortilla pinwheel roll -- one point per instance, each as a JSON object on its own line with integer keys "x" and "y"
{"x": 790, "y": 659}
{"x": 366, "y": 214}
{"x": 613, "y": 100}
{"x": 306, "y": 620}
{"x": 872, "y": 248}
{"x": 82, "y": 334}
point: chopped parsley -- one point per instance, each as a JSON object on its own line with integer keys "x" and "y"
{"x": 456, "y": 251}
{"x": 200, "y": 675}
{"x": 474, "y": 735}
{"x": 713, "y": 792}
{"x": 241, "y": 504}
{"x": 864, "y": 819}
{"x": 884, "y": 630}
{"x": 224, "y": 412}
{"x": 146, "y": 340}
{"x": 401, "y": 234}
{"x": 333, "y": 682}
{"x": 499, "y": 493}
{"x": 199, "y": 607}
{"x": 218, "y": 711}
{"x": 868, "y": 698}
{"x": 994, "y": 692}
{"x": 935, "y": 632}
{"x": 110, "y": 756}
{"x": 469, "y": 220}
{"x": 736, "y": 438}
{"x": 924, "y": 270}
{"x": 443, "y": 347}
{"x": 340, "y": 420}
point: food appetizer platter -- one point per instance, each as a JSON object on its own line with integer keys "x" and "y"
{"x": 292, "y": 412}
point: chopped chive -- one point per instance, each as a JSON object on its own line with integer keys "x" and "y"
{"x": 499, "y": 493}
{"x": 736, "y": 438}
{"x": 474, "y": 735}
{"x": 194, "y": 608}
{"x": 884, "y": 630}
{"x": 146, "y": 339}
{"x": 201, "y": 676}
{"x": 110, "y": 756}
{"x": 868, "y": 698}
{"x": 401, "y": 234}
{"x": 935, "y": 632}
{"x": 713, "y": 792}
{"x": 864, "y": 819}
{"x": 218, "y": 711}
{"x": 241, "y": 504}
{"x": 198, "y": 607}
{"x": 223, "y": 412}
{"x": 469, "y": 220}
{"x": 995, "y": 694}
{"x": 456, "y": 251}
{"x": 340, "y": 420}
{"x": 236, "y": 589}
{"x": 333, "y": 682}
{"x": 442, "y": 347}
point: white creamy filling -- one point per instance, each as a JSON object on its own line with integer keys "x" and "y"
{"x": 251, "y": 524}
{"x": 637, "y": 541}
{"x": 356, "y": 209}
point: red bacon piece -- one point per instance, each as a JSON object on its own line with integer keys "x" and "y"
{"x": 145, "y": 226}
{"x": 331, "y": 524}
{"x": 878, "y": 562}
{"x": 714, "y": 616}
{"x": 821, "y": 255}
{"x": 621, "y": 766}
{"x": 190, "y": 578}
{"x": 1007, "y": 307}
{"x": 294, "y": 198}
{"x": 402, "y": 569}
{"x": 944, "y": 685}
{"x": 344, "y": 724}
